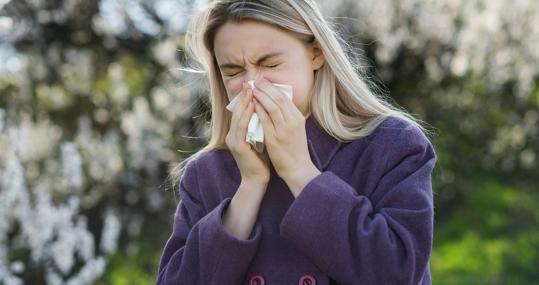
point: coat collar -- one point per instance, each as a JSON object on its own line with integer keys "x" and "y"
{"x": 322, "y": 146}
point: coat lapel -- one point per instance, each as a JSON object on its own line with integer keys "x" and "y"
{"x": 322, "y": 146}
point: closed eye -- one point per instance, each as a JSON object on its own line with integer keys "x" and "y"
{"x": 269, "y": 66}
{"x": 232, "y": 75}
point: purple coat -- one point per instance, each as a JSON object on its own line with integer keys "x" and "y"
{"x": 366, "y": 219}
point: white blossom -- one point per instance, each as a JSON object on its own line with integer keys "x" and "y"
{"x": 102, "y": 155}
{"x": 496, "y": 40}
{"x": 110, "y": 234}
{"x": 71, "y": 165}
{"x": 144, "y": 131}
{"x": 54, "y": 233}
{"x": 89, "y": 273}
{"x": 77, "y": 71}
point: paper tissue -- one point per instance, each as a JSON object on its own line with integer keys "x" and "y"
{"x": 255, "y": 133}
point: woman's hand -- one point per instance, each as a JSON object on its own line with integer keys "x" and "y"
{"x": 254, "y": 168}
{"x": 284, "y": 135}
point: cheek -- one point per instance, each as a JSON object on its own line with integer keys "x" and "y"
{"x": 301, "y": 99}
{"x": 233, "y": 87}
{"x": 302, "y": 90}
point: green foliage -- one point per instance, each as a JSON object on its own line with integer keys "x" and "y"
{"x": 488, "y": 237}
{"x": 136, "y": 268}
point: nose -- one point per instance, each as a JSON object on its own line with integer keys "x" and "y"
{"x": 252, "y": 73}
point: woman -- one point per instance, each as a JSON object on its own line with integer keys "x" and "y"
{"x": 342, "y": 192}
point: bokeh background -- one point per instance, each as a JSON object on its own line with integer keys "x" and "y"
{"x": 94, "y": 110}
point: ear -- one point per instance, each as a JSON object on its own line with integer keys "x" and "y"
{"x": 317, "y": 56}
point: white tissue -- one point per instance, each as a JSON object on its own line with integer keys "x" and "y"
{"x": 255, "y": 132}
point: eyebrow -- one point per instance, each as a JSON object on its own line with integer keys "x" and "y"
{"x": 261, "y": 59}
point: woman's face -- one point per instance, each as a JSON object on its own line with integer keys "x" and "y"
{"x": 244, "y": 49}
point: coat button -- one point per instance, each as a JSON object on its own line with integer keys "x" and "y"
{"x": 307, "y": 280}
{"x": 256, "y": 280}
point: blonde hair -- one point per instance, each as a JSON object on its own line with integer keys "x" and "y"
{"x": 341, "y": 103}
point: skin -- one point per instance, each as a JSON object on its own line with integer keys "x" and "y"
{"x": 238, "y": 50}
{"x": 243, "y": 43}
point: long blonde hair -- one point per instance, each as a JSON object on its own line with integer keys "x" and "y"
{"x": 342, "y": 102}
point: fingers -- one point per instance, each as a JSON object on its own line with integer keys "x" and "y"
{"x": 273, "y": 111}
{"x": 236, "y": 115}
{"x": 246, "y": 115}
{"x": 265, "y": 119}
{"x": 242, "y": 114}
{"x": 276, "y": 104}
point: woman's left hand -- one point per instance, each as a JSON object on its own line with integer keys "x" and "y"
{"x": 284, "y": 135}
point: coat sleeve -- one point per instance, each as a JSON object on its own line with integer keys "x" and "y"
{"x": 199, "y": 250}
{"x": 357, "y": 242}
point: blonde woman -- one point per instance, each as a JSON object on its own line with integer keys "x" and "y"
{"x": 340, "y": 194}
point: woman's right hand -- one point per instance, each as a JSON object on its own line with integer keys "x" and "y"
{"x": 254, "y": 167}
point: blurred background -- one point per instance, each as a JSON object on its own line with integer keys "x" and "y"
{"x": 93, "y": 111}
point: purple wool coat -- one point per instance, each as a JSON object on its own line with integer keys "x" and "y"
{"x": 366, "y": 219}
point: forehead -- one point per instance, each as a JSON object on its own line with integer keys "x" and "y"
{"x": 249, "y": 39}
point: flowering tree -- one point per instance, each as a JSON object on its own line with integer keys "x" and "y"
{"x": 89, "y": 112}
{"x": 93, "y": 109}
